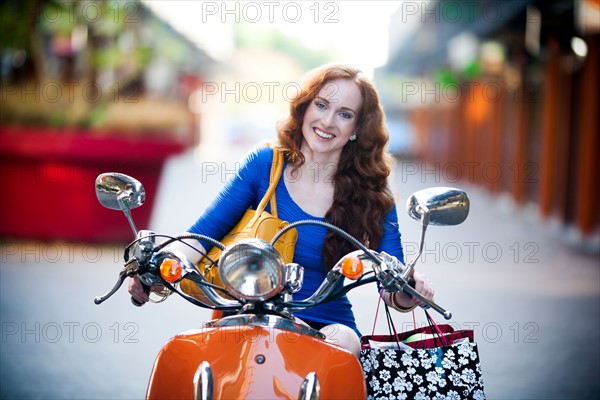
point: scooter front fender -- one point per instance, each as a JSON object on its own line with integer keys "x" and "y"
{"x": 254, "y": 362}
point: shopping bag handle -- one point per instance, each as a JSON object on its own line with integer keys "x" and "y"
{"x": 437, "y": 329}
{"x": 389, "y": 319}
{"x": 438, "y": 335}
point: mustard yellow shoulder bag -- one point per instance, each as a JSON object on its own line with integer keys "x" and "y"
{"x": 253, "y": 224}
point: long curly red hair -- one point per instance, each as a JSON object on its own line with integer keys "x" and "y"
{"x": 361, "y": 197}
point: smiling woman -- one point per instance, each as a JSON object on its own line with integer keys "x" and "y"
{"x": 337, "y": 120}
{"x": 336, "y": 170}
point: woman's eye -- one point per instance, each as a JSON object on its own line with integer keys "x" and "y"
{"x": 320, "y": 105}
{"x": 345, "y": 115}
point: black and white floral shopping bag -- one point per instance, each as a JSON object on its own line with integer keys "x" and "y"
{"x": 440, "y": 363}
{"x": 447, "y": 372}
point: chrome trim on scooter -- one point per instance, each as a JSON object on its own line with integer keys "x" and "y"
{"x": 266, "y": 321}
{"x": 203, "y": 382}
{"x": 311, "y": 388}
{"x": 334, "y": 277}
{"x": 293, "y": 277}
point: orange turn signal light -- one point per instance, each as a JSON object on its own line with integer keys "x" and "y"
{"x": 352, "y": 268}
{"x": 171, "y": 270}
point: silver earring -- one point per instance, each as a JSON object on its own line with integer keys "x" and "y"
{"x": 352, "y": 138}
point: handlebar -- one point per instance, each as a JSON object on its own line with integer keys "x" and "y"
{"x": 389, "y": 273}
{"x": 146, "y": 259}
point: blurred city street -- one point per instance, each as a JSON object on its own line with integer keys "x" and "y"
{"x": 498, "y": 98}
{"x": 532, "y": 300}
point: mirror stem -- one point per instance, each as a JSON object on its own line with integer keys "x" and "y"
{"x": 126, "y": 210}
{"x": 424, "y": 211}
{"x": 128, "y": 215}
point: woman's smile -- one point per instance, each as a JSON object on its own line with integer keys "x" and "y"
{"x": 323, "y": 135}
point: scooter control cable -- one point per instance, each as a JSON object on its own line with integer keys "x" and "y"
{"x": 332, "y": 227}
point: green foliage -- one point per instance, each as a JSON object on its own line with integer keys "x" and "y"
{"x": 57, "y": 18}
{"x": 107, "y": 56}
{"x": 95, "y": 117}
{"x": 446, "y": 77}
{"x": 473, "y": 70}
{"x": 58, "y": 119}
{"x": 143, "y": 56}
{"x": 16, "y": 23}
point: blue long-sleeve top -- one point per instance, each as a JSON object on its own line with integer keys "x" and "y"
{"x": 246, "y": 189}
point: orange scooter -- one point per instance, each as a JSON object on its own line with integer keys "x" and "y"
{"x": 261, "y": 352}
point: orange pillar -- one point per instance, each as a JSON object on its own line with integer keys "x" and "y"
{"x": 548, "y": 134}
{"x": 519, "y": 157}
{"x": 564, "y": 138}
{"x": 586, "y": 211}
{"x": 492, "y": 170}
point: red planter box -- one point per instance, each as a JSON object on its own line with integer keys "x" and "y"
{"x": 47, "y": 178}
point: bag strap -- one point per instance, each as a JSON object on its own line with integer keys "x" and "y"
{"x": 437, "y": 332}
{"x": 438, "y": 335}
{"x": 389, "y": 319}
{"x": 376, "y": 312}
{"x": 276, "y": 168}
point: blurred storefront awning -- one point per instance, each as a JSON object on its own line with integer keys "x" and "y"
{"x": 441, "y": 21}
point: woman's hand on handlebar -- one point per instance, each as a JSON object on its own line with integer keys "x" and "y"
{"x": 137, "y": 291}
{"x": 422, "y": 285}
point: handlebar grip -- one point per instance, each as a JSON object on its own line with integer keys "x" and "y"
{"x": 139, "y": 303}
{"x": 411, "y": 282}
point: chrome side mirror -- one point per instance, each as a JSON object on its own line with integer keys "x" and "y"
{"x": 120, "y": 192}
{"x": 436, "y": 206}
{"x": 441, "y": 205}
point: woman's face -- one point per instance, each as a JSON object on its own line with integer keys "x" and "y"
{"x": 331, "y": 117}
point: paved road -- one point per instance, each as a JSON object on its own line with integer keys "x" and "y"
{"x": 532, "y": 300}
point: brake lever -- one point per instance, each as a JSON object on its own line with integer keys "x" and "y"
{"x": 130, "y": 269}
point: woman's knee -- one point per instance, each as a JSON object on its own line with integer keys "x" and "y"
{"x": 343, "y": 336}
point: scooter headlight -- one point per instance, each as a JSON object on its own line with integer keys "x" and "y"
{"x": 251, "y": 269}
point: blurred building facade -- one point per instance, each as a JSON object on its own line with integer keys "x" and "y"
{"x": 504, "y": 94}
{"x": 88, "y": 87}
{"x": 97, "y": 65}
